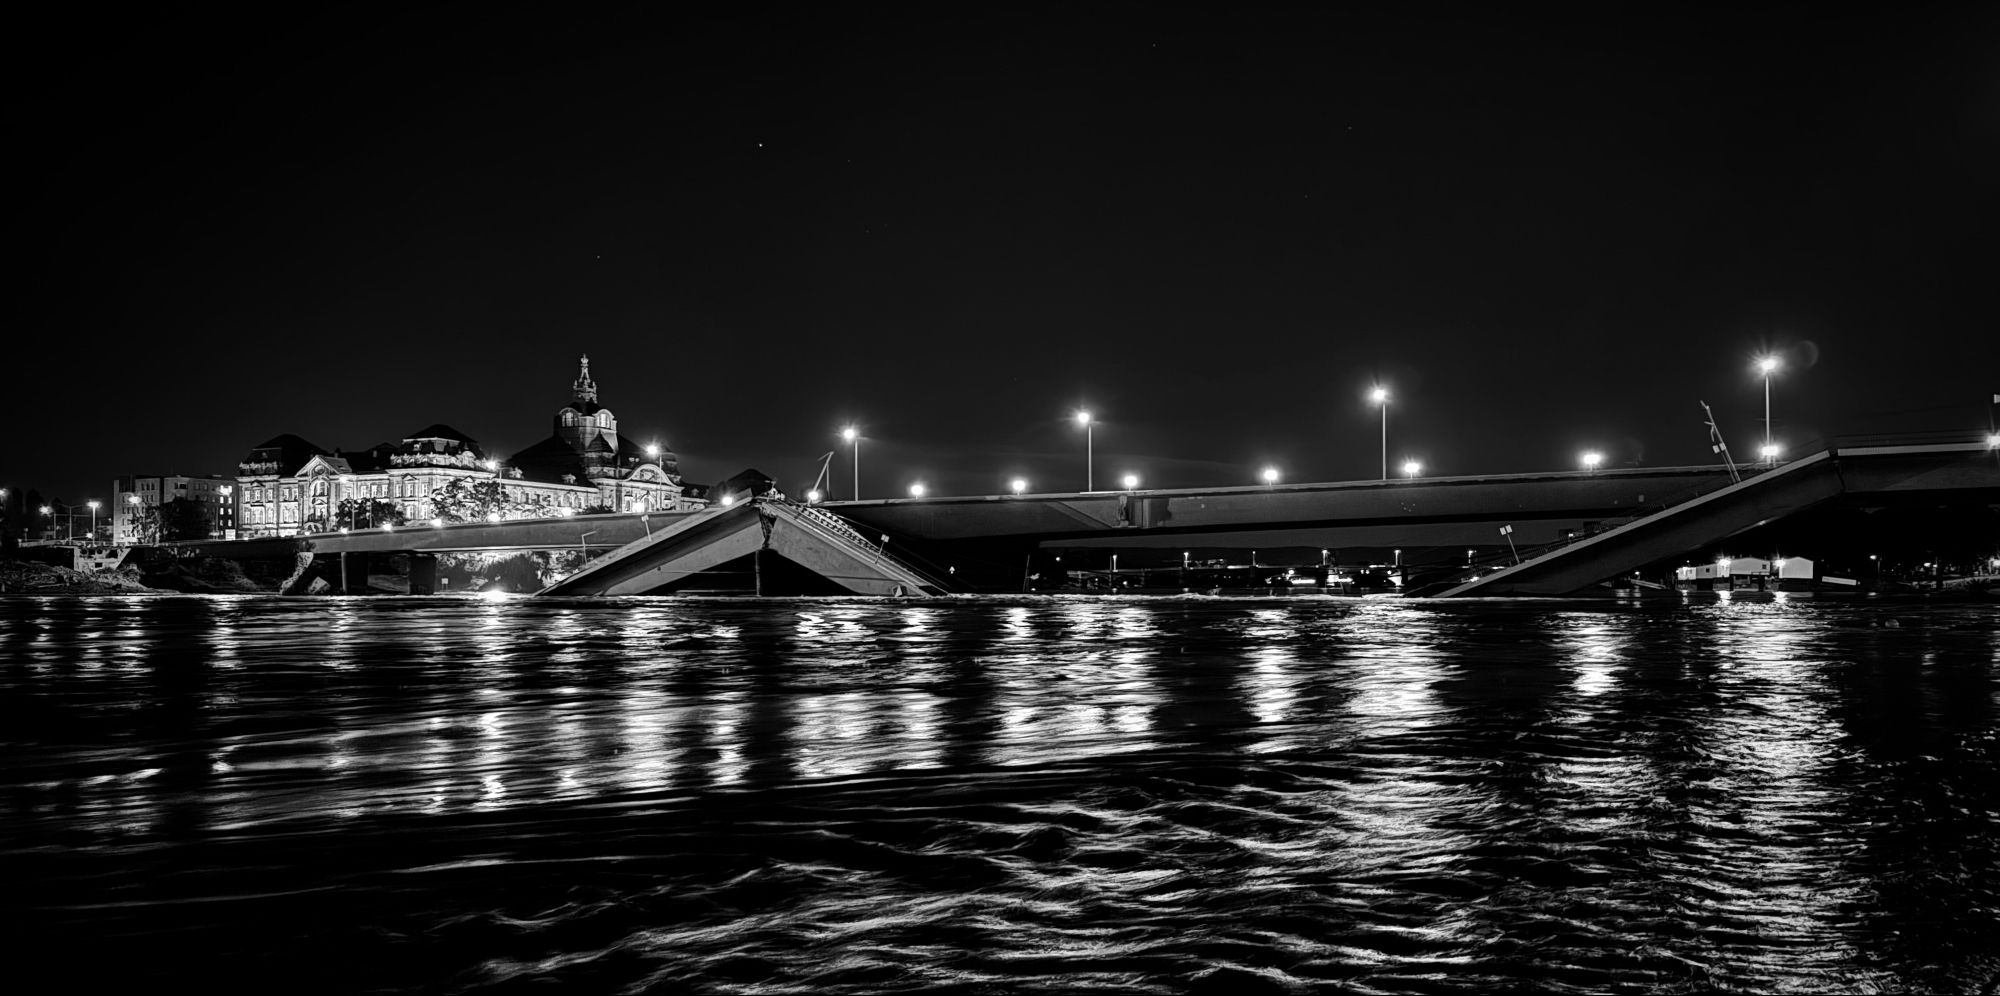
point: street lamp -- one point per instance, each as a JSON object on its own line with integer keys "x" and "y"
{"x": 1381, "y": 397}
{"x": 1769, "y": 453}
{"x": 1270, "y": 476}
{"x": 1411, "y": 468}
{"x": 93, "y": 503}
{"x": 52, "y": 520}
{"x": 1992, "y": 443}
{"x": 1089, "y": 456}
{"x": 1130, "y": 481}
{"x": 1018, "y": 484}
{"x": 853, "y": 436}
{"x": 812, "y": 497}
{"x": 917, "y": 490}
{"x": 1766, "y": 365}
{"x": 133, "y": 515}
{"x": 1591, "y": 459}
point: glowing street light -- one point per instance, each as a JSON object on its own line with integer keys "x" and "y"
{"x": 1412, "y": 468}
{"x": 917, "y": 490}
{"x": 1591, "y": 459}
{"x": 812, "y": 497}
{"x": 1993, "y": 441}
{"x": 1380, "y": 395}
{"x": 653, "y": 451}
{"x": 1770, "y": 453}
{"x": 1018, "y": 484}
{"x": 1130, "y": 481}
{"x": 1270, "y": 476}
{"x": 52, "y": 518}
{"x": 133, "y": 500}
{"x": 853, "y": 437}
{"x": 1766, "y": 365}
{"x": 1089, "y": 457}
{"x": 93, "y": 503}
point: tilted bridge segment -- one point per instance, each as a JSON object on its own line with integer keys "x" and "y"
{"x": 1866, "y": 474}
{"x": 811, "y": 538}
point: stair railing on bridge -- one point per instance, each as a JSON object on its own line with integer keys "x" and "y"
{"x": 839, "y": 527}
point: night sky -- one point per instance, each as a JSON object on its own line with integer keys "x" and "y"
{"x": 1542, "y": 233}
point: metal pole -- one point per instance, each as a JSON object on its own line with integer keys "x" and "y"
{"x": 857, "y": 467}
{"x": 1089, "y": 458}
{"x": 1385, "y": 439}
{"x": 1768, "y": 457}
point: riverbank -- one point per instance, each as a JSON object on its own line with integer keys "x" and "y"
{"x": 206, "y": 576}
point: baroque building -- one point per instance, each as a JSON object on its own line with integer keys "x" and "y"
{"x": 288, "y": 486}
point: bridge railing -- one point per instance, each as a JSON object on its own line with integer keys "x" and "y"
{"x": 839, "y": 527}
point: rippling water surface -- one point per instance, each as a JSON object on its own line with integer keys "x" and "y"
{"x": 1002, "y": 795}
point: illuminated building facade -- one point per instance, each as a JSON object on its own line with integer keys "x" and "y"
{"x": 289, "y": 486}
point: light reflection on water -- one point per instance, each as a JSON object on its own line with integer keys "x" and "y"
{"x": 1775, "y": 794}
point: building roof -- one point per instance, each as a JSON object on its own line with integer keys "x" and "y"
{"x": 286, "y": 453}
{"x": 439, "y": 430}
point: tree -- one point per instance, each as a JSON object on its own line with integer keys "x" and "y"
{"x": 460, "y": 501}
{"x": 596, "y": 510}
{"x": 367, "y": 513}
{"x": 179, "y": 519}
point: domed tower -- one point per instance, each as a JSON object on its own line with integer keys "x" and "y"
{"x": 588, "y": 427}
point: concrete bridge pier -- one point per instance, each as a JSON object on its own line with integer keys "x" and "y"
{"x": 423, "y": 573}
{"x": 353, "y": 573}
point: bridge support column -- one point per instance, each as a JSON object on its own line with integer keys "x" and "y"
{"x": 423, "y": 574}
{"x": 354, "y": 575}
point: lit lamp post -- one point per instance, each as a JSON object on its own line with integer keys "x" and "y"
{"x": 1412, "y": 468}
{"x": 1130, "y": 481}
{"x": 1018, "y": 485}
{"x": 1089, "y": 481}
{"x": 93, "y": 503}
{"x": 51, "y": 514}
{"x": 1591, "y": 460}
{"x": 853, "y": 437}
{"x": 1381, "y": 397}
{"x": 1766, "y": 365}
{"x": 917, "y": 490}
{"x": 133, "y": 513}
{"x": 1270, "y": 476}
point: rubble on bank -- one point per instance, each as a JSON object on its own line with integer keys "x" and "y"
{"x": 19, "y": 577}
{"x": 165, "y": 575}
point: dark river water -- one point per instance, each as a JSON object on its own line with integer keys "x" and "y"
{"x": 1089, "y": 794}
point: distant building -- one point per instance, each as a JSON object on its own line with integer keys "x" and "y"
{"x": 289, "y": 486}
{"x": 136, "y": 500}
